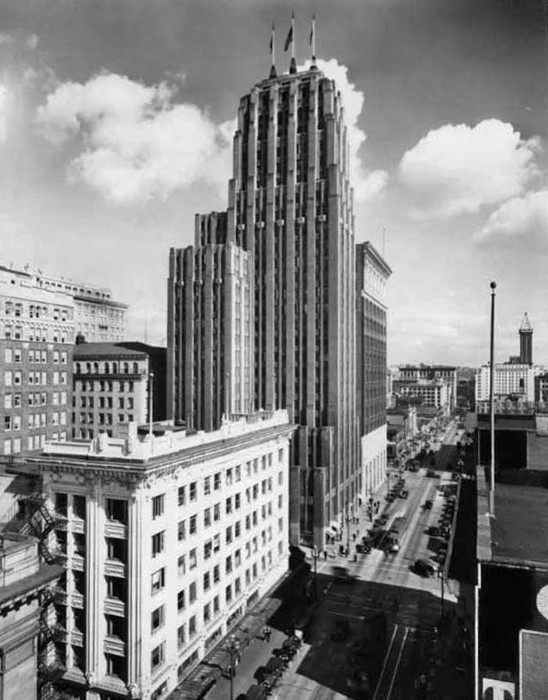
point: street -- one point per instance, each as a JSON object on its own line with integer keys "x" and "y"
{"x": 374, "y": 632}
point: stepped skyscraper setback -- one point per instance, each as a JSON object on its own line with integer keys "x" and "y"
{"x": 261, "y": 310}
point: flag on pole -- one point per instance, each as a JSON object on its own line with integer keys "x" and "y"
{"x": 289, "y": 38}
{"x": 313, "y": 40}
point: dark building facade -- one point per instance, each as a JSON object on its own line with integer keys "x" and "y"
{"x": 526, "y": 342}
{"x": 290, "y": 209}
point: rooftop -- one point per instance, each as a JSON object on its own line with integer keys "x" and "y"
{"x": 519, "y": 530}
{"x": 85, "y": 350}
{"x": 136, "y": 452}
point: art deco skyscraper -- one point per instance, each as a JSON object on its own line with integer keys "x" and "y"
{"x": 290, "y": 209}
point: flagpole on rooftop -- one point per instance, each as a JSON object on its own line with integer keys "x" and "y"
{"x": 273, "y": 51}
{"x": 293, "y": 63}
{"x": 313, "y": 41}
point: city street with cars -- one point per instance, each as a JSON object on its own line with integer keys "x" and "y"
{"x": 383, "y": 622}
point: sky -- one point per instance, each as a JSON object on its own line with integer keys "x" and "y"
{"x": 116, "y": 121}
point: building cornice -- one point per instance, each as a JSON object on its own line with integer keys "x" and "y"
{"x": 131, "y": 471}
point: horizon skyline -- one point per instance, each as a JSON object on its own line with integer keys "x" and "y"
{"x": 449, "y": 169}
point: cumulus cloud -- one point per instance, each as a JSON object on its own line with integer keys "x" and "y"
{"x": 32, "y": 41}
{"x": 136, "y": 142}
{"x": 518, "y": 217}
{"x": 458, "y": 169}
{"x": 367, "y": 184}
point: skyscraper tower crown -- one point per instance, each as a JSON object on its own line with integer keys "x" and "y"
{"x": 526, "y": 324}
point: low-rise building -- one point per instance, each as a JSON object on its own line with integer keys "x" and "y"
{"x": 23, "y": 581}
{"x": 168, "y": 540}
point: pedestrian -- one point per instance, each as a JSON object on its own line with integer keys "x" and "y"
{"x": 268, "y": 633}
{"x": 325, "y": 554}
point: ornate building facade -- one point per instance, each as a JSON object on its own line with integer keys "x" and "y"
{"x": 168, "y": 541}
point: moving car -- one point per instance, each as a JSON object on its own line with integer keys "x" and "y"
{"x": 424, "y": 568}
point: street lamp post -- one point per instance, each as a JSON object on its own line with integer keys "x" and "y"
{"x": 315, "y": 554}
{"x": 348, "y": 528}
{"x": 233, "y": 647}
{"x": 440, "y": 576}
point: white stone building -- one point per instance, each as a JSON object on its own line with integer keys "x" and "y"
{"x": 169, "y": 540}
{"x": 517, "y": 380}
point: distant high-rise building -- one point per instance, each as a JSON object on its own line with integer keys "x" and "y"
{"x": 526, "y": 342}
{"x": 372, "y": 274}
{"x": 290, "y": 223}
{"x": 111, "y": 385}
{"x": 40, "y": 317}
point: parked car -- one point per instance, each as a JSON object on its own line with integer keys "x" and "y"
{"x": 404, "y": 493}
{"x": 424, "y": 568}
{"x": 427, "y": 505}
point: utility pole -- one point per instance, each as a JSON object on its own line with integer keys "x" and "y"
{"x": 492, "y": 403}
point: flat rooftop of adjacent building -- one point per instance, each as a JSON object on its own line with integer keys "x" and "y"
{"x": 519, "y": 531}
{"x": 85, "y": 350}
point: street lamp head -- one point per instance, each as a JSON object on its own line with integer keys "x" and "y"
{"x": 493, "y": 285}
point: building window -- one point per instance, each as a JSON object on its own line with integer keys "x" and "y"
{"x": 181, "y": 530}
{"x": 216, "y": 573}
{"x": 207, "y": 486}
{"x": 158, "y": 505}
{"x": 157, "y": 657}
{"x": 157, "y": 543}
{"x": 207, "y": 613}
{"x": 217, "y": 512}
{"x": 181, "y": 565}
{"x": 207, "y": 581}
{"x": 116, "y": 510}
{"x": 217, "y": 481}
{"x": 193, "y": 494}
{"x": 157, "y": 619}
{"x": 181, "y": 604}
{"x": 192, "y": 559}
{"x": 192, "y": 593}
{"x": 158, "y": 580}
{"x": 192, "y": 526}
{"x": 160, "y": 691}
{"x": 192, "y": 630}
{"x": 207, "y": 517}
{"x": 181, "y": 636}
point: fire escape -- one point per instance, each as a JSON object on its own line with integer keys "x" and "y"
{"x": 35, "y": 519}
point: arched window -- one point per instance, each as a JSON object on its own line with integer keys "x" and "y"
{"x": 96, "y": 367}
{"x": 135, "y": 368}
{"x": 78, "y": 368}
{"x": 88, "y": 367}
{"x": 107, "y": 367}
{"x": 126, "y": 367}
{"x": 114, "y": 368}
